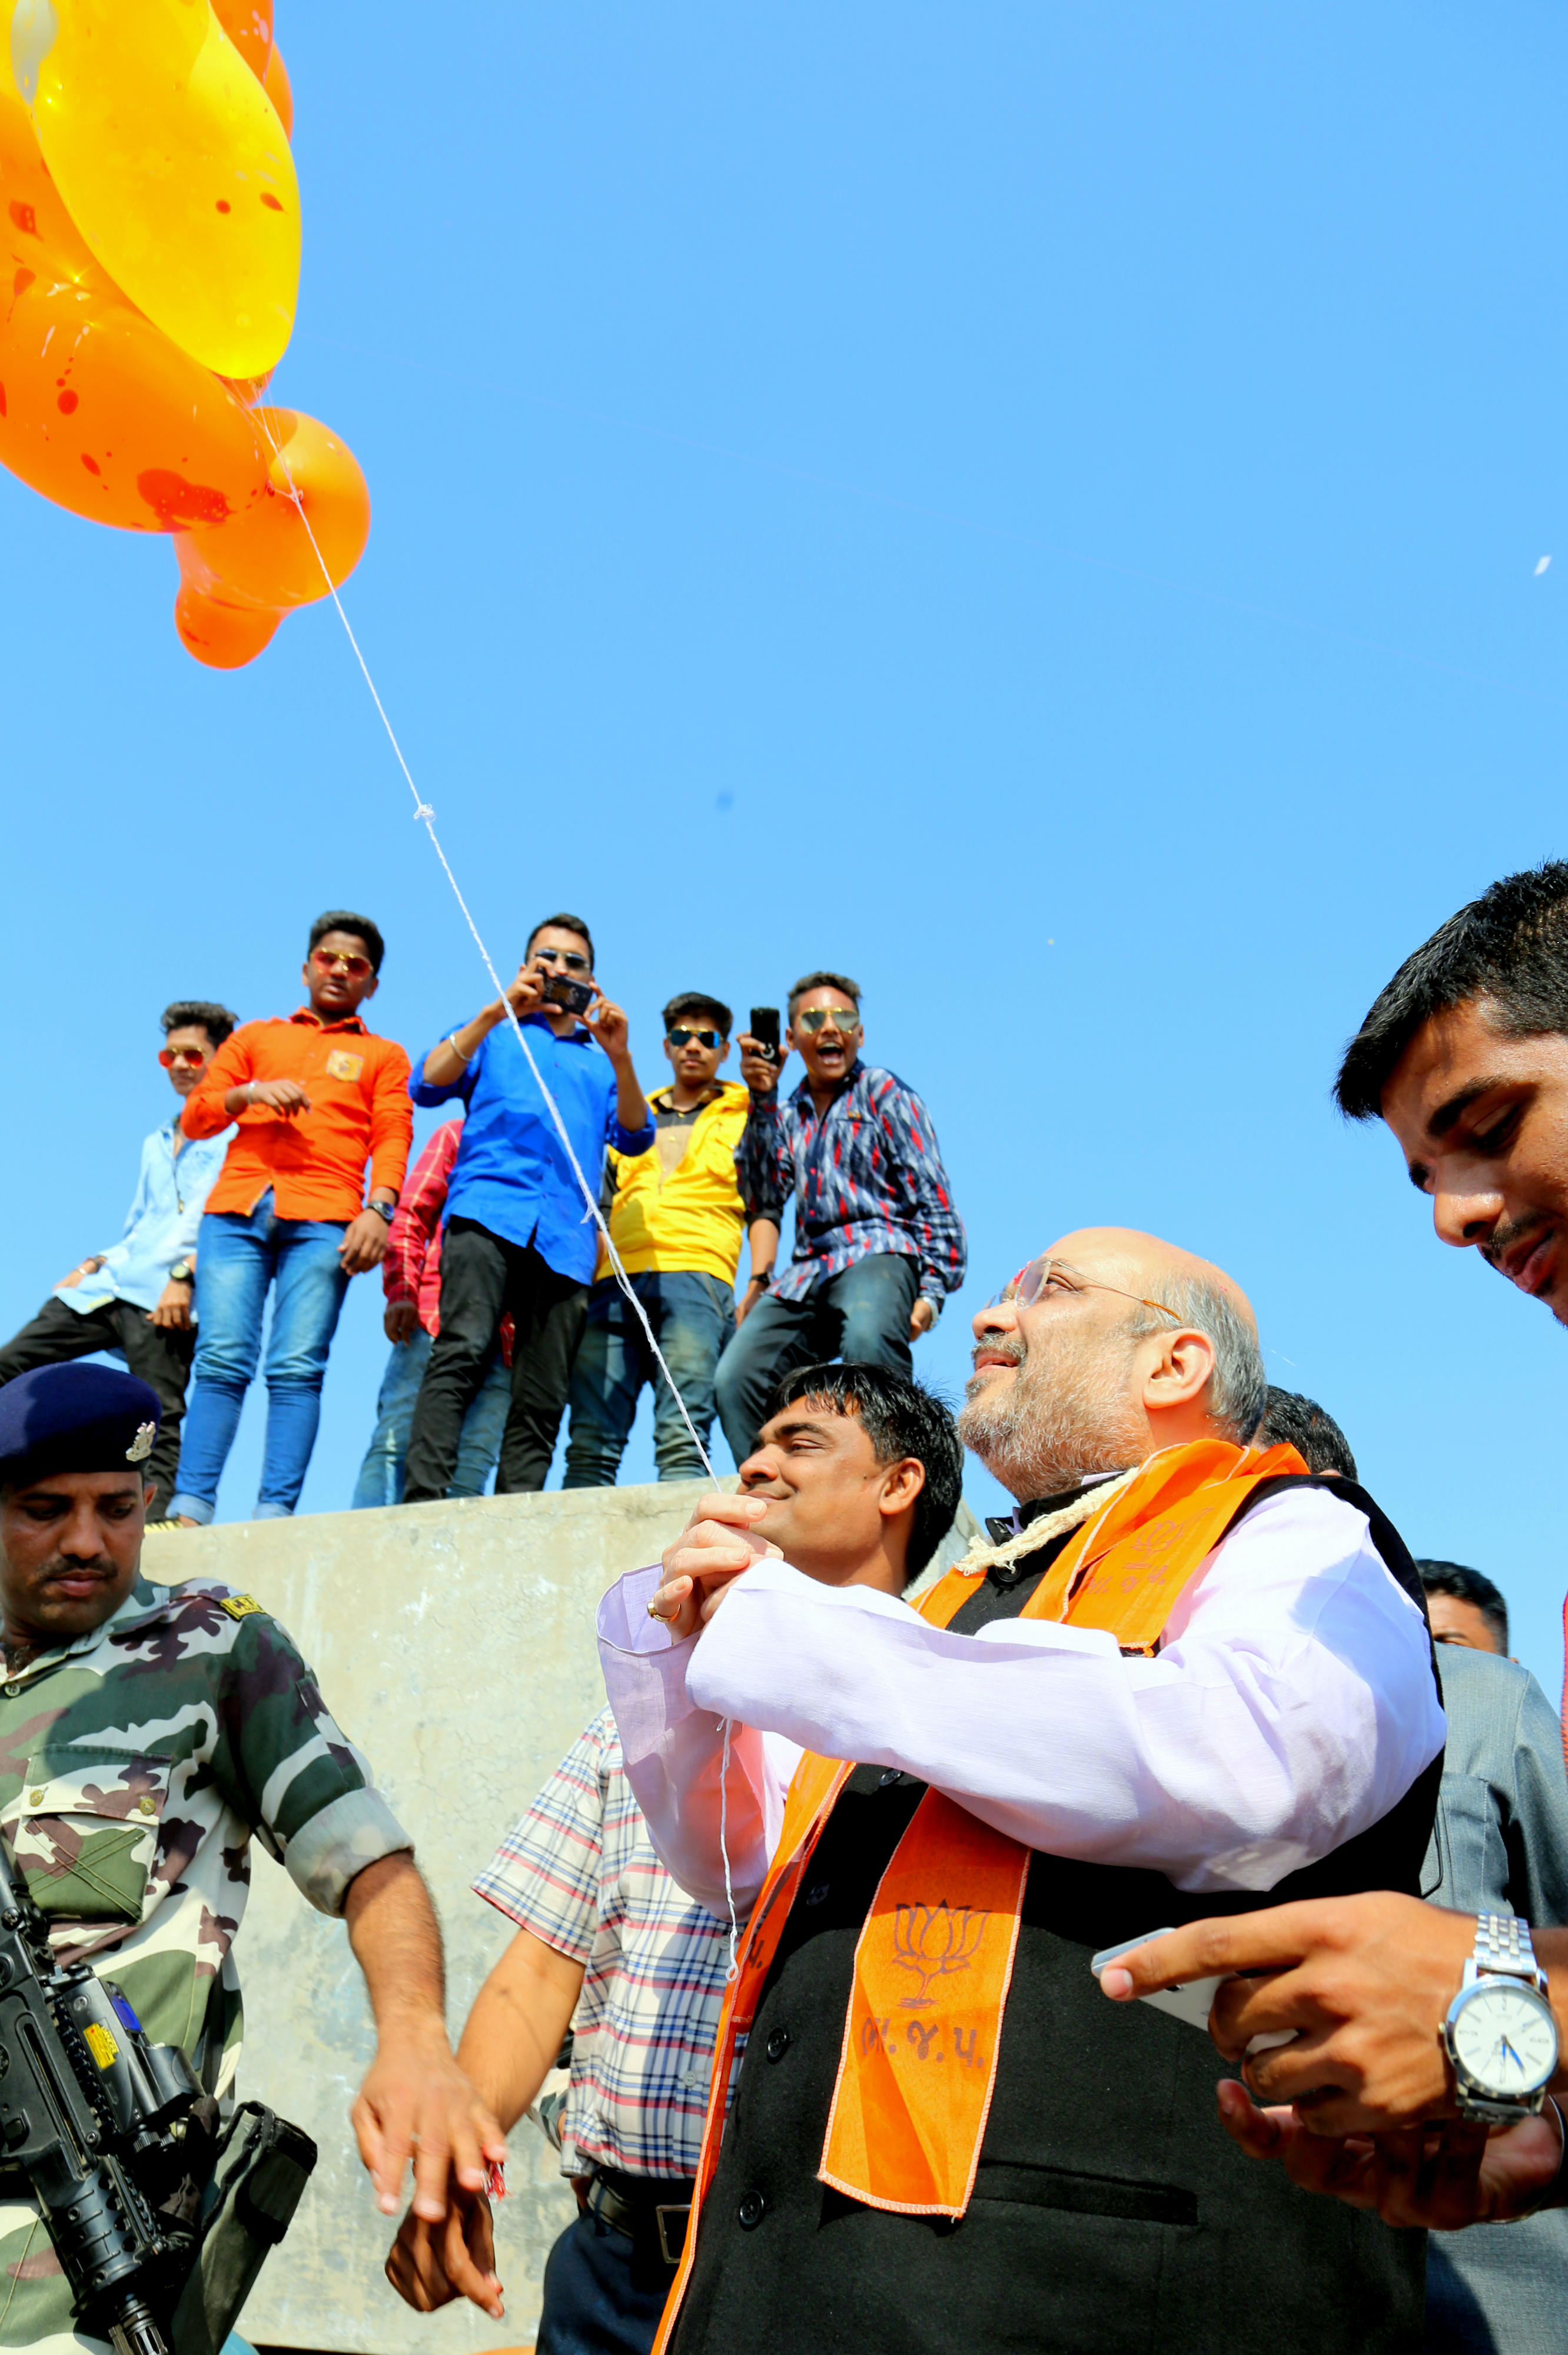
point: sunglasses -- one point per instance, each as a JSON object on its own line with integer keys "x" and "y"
{"x": 332, "y": 959}
{"x": 170, "y": 1056}
{"x": 703, "y": 1037}
{"x": 827, "y": 1017}
{"x": 1043, "y": 1276}
{"x": 570, "y": 958}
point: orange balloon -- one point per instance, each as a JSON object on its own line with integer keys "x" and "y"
{"x": 279, "y": 89}
{"x": 249, "y": 24}
{"x": 224, "y": 637}
{"x": 239, "y": 578}
{"x": 102, "y": 413}
{"x": 98, "y": 411}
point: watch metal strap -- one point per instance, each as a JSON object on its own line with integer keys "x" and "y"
{"x": 1502, "y": 1944}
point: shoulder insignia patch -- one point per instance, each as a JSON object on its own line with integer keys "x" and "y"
{"x": 241, "y": 1607}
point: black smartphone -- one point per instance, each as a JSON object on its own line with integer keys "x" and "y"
{"x": 571, "y": 996}
{"x": 765, "y": 1030}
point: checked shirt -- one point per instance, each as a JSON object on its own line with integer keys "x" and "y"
{"x": 580, "y": 1871}
{"x": 868, "y": 1177}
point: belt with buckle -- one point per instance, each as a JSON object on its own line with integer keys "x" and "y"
{"x": 644, "y": 2209}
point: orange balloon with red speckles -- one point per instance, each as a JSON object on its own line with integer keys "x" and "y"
{"x": 98, "y": 411}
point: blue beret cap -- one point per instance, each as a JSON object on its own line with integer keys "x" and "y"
{"x": 74, "y": 1419}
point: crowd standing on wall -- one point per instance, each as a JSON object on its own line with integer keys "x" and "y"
{"x": 284, "y": 1174}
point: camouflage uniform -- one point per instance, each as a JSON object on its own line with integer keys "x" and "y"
{"x": 134, "y": 1765}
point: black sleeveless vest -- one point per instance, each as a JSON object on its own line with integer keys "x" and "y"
{"x": 1112, "y": 2214}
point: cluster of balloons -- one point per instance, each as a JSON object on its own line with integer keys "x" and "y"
{"x": 149, "y": 267}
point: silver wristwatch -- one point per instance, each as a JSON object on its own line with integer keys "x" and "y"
{"x": 1500, "y": 2033}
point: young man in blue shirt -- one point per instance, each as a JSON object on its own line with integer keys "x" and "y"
{"x": 136, "y": 1297}
{"x": 517, "y": 1232}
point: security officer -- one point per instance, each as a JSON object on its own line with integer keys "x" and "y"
{"x": 145, "y": 1734}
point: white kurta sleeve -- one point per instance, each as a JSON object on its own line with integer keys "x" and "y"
{"x": 674, "y": 1753}
{"x": 1292, "y": 1704}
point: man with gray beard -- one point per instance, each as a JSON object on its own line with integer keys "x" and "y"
{"x": 1190, "y": 1676}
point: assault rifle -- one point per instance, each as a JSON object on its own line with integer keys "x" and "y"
{"x": 119, "y": 2145}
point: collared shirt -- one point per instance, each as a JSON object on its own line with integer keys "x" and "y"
{"x": 314, "y": 1162}
{"x": 411, "y": 1271}
{"x": 161, "y": 1224}
{"x": 580, "y": 1871}
{"x": 677, "y": 1206}
{"x": 866, "y": 1178}
{"x": 136, "y": 1762}
{"x": 512, "y": 1174}
{"x": 1291, "y": 1705}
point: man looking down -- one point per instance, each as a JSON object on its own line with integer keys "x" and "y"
{"x": 1197, "y": 1678}
{"x": 146, "y": 1734}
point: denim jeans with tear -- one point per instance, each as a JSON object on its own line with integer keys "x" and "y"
{"x": 238, "y": 1260}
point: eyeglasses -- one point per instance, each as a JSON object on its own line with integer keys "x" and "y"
{"x": 570, "y": 958}
{"x": 703, "y": 1037}
{"x": 827, "y": 1017}
{"x": 330, "y": 960}
{"x": 170, "y": 1056}
{"x": 1042, "y": 1275}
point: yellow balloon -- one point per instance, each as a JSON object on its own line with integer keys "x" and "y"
{"x": 174, "y": 166}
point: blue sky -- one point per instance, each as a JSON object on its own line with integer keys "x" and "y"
{"x": 1037, "y": 506}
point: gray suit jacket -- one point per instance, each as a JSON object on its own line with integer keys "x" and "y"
{"x": 1499, "y": 1846}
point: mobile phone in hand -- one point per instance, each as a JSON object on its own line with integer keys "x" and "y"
{"x": 765, "y": 1030}
{"x": 1191, "y": 2002}
{"x": 571, "y": 996}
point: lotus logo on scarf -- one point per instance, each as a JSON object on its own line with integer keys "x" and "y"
{"x": 934, "y": 1940}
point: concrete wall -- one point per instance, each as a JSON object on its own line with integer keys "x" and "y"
{"x": 454, "y": 1644}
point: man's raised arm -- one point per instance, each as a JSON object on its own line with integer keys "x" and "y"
{"x": 673, "y": 1750}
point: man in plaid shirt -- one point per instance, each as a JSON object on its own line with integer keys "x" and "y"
{"x": 878, "y": 1244}
{"x": 411, "y": 1279}
{"x": 857, "y": 1480}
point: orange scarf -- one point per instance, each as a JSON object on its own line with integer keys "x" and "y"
{"x": 935, "y": 1958}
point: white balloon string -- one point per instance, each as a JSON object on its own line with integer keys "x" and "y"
{"x": 426, "y": 816}
{"x": 724, "y": 1852}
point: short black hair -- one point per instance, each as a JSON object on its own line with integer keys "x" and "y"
{"x": 343, "y": 920}
{"x": 901, "y": 1419}
{"x": 1467, "y": 1586}
{"x": 1288, "y": 1415}
{"x": 1509, "y": 946}
{"x": 563, "y": 923}
{"x": 693, "y": 1001}
{"x": 824, "y": 980}
{"x": 198, "y": 1014}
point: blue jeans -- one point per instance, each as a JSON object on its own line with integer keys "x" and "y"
{"x": 380, "y": 1478}
{"x": 238, "y": 1259}
{"x": 693, "y": 1316}
{"x": 862, "y": 1315}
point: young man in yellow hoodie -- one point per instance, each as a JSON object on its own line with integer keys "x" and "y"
{"x": 676, "y": 1217}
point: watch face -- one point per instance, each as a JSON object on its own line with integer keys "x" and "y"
{"x": 1506, "y": 2039}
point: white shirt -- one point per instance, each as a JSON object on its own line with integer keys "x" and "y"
{"x": 1291, "y": 1705}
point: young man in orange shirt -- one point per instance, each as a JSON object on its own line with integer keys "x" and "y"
{"x": 315, "y": 1095}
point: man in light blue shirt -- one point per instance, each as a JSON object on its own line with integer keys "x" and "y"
{"x": 137, "y": 1298}
{"x": 518, "y": 1234}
